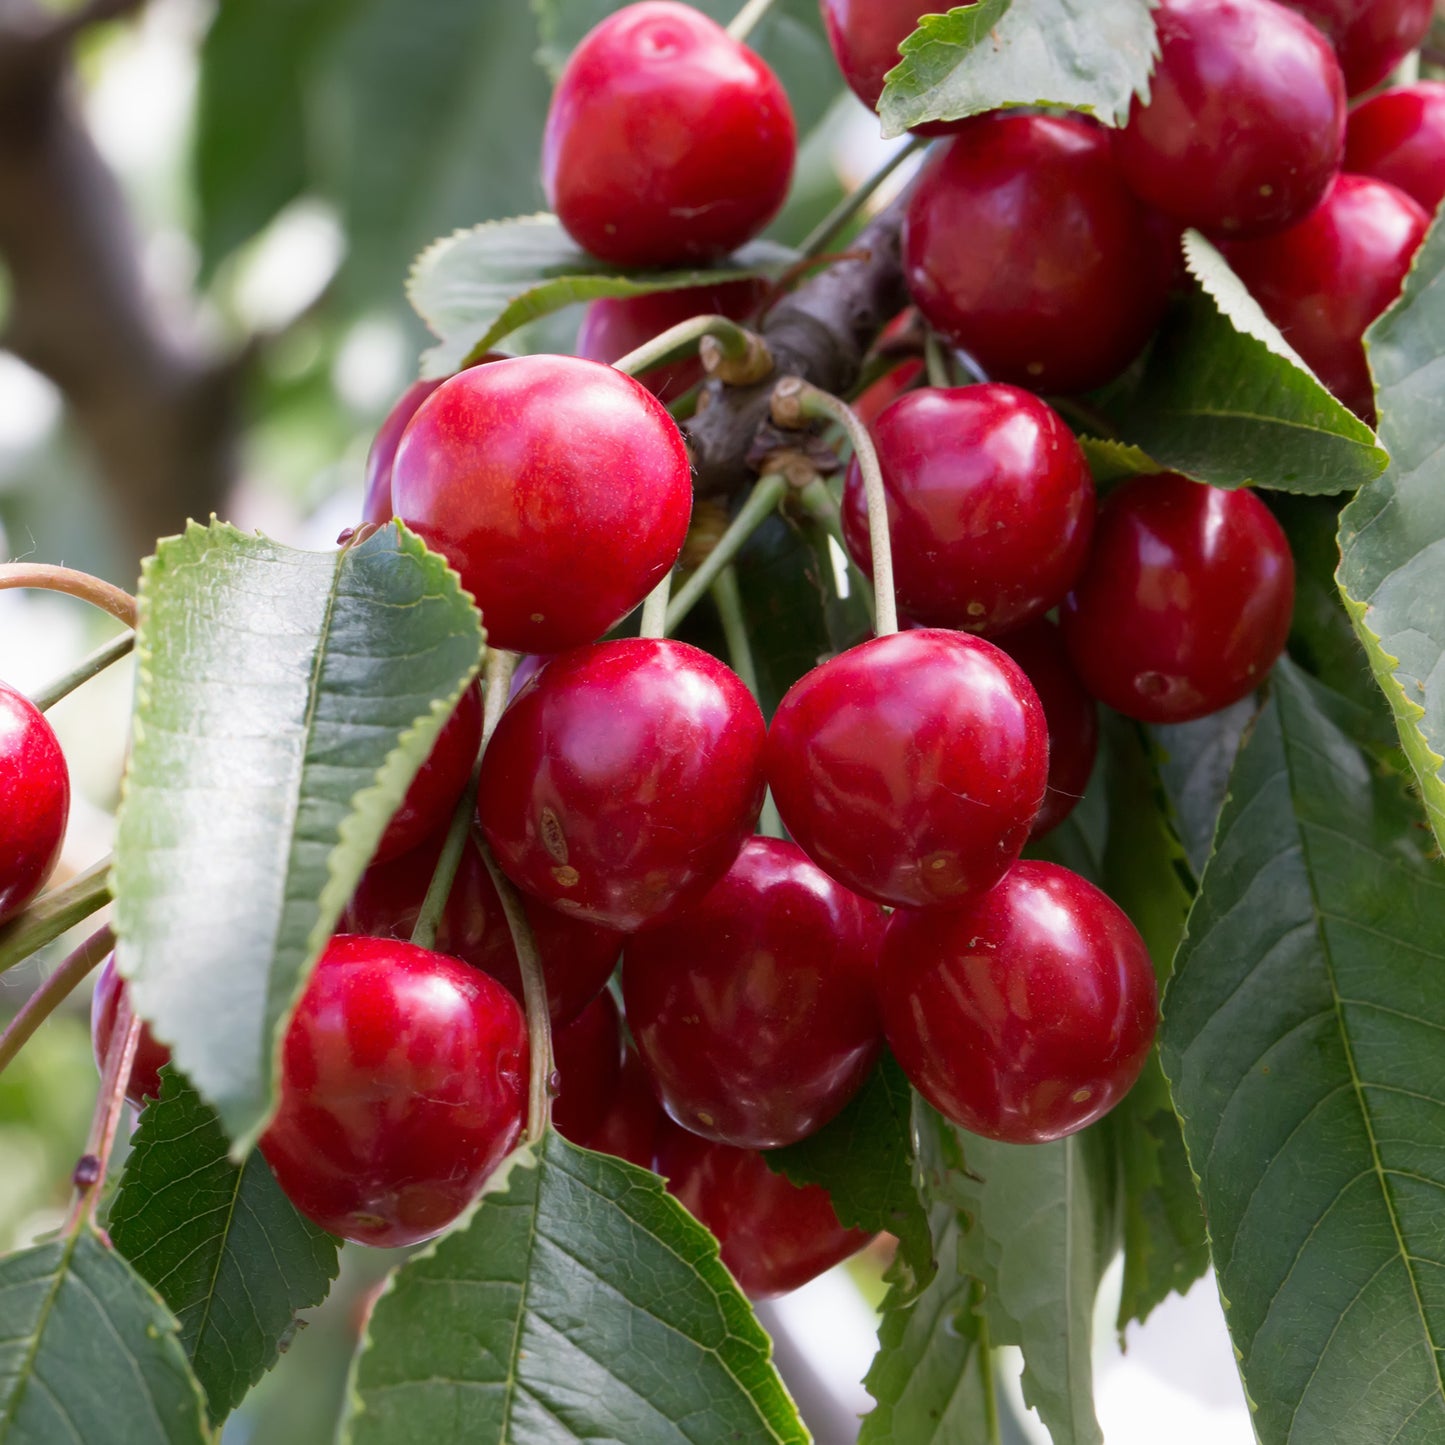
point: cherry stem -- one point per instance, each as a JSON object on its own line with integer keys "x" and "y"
{"x": 730, "y": 343}
{"x": 990, "y": 1383}
{"x": 831, "y": 226}
{"x": 654, "y": 610}
{"x": 822, "y": 508}
{"x": 496, "y": 690}
{"x": 741, "y": 25}
{"x": 762, "y": 502}
{"x": 83, "y": 671}
{"x": 54, "y": 913}
{"x": 121, "y": 605}
{"x": 119, "y": 1059}
{"x": 936, "y": 362}
{"x": 534, "y": 997}
{"x": 58, "y": 987}
{"x": 796, "y": 401}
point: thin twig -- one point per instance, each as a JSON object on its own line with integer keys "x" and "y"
{"x": 832, "y": 225}
{"x": 54, "y": 913}
{"x": 53, "y": 992}
{"x": 83, "y": 671}
{"x": 119, "y": 1060}
{"x": 121, "y": 605}
{"x": 742, "y": 24}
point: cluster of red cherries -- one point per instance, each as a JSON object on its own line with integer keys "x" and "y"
{"x": 620, "y": 791}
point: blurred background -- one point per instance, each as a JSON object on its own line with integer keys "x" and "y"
{"x": 207, "y": 214}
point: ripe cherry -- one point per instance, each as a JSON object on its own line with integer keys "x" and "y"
{"x": 559, "y": 489}
{"x": 990, "y": 506}
{"x": 577, "y": 958}
{"x": 376, "y": 505}
{"x": 911, "y": 767}
{"x": 403, "y": 1085}
{"x": 587, "y": 1054}
{"x": 1245, "y": 123}
{"x": 1399, "y": 136}
{"x": 623, "y": 779}
{"x": 615, "y": 325}
{"x": 1069, "y": 710}
{"x": 438, "y": 782}
{"x": 34, "y": 800}
{"x": 150, "y": 1057}
{"x": 754, "y": 1011}
{"x": 667, "y": 141}
{"x": 1185, "y": 603}
{"x": 1070, "y": 309}
{"x": 774, "y": 1236}
{"x": 1027, "y": 1014}
{"x": 628, "y": 1128}
{"x": 1371, "y": 37}
{"x": 1323, "y": 281}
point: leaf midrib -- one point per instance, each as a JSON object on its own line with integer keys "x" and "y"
{"x": 63, "y": 1264}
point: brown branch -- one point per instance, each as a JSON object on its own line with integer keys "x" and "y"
{"x": 157, "y": 407}
{"x": 820, "y": 332}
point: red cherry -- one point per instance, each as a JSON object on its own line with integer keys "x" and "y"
{"x": 1072, "y": 307}
{"x": 774, "y": 1235}
{"x": 588, "y": 1057}
{"x": 1070, "y": 712}
{"x": 376, "y": 507}
{"x": 667, "y": 141}
{"x": 150, "y": 1057}
{"x": 577, "y": 958}
{"x": 755, "y": 1011}
{"x": 1399, "y": 136}
{"x": 865, "y": 36}
{"x": 629, "y": 1128}
{"x": 559, "y": 489}
{"x": 990, "y": 506}
{"x": 1026, "y": 1015}
{"x": 439, "y": 781}
{"x": 1325, "y": 280}
{"x": 34, "y": 800}
{"x": 1185, "y": 603}
{"x": 615, "y": 325}
{"x": 1245, "y": 124}
{"x": 403, "y": 1086}
{"x": 623, "y": 779}
{"x": 910, "y": 767}
{"x": 1371, "y": 37}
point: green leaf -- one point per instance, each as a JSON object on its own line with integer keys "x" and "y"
{"x": 220, "y": 1243}
{"x": 1042, "y": 1228}
{"x": 1116, "y": 461}
{"x": 1087, "y": 56}
{"x": 88, "y": 1354}
{"x": 1302, "y": 1042}
{"x": 284, "y": 701}
{"x": 864, "y": 1159}
{"x": 578, "y": 1300}
{"x": 476, "y": 287}
{"x": 1392, "y": 536}
{"x": 1224, "y": 399}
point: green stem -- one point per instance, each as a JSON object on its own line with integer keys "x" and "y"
{"x": 497, "y": 685}
{"x": 741, "y": 25}
{"x": 822, "y": 508}
{"x": 54, "y": 913}
{"x": 936, "y": 362}
{"x": 831, "y": 226}
{"x": 534, "y": 996}
{"x": 1085, "y": 418}
{"x": 990, "y": 1383}
{"x": 54, "y": 991}
{"x": 120, "y": 605}
{"x": 682, "y": 340}
{"x": 654, "y": 610}
{"x": 761, "y": 503}
{"x": 83, "y": 671}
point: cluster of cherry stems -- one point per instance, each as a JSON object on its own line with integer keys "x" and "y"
{"x": 620, "y": 788}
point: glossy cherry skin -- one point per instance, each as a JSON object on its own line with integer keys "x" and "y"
{"x": 559, "y": 489}
{"x": 587, "y": 1054}
{"x": 1399, "y": 136}
{"x": 628, "y": 1128}
{"x": 990, "y": 506}
{"x": 1185, "y": 603}
{"x": 1245, "y": 124}
{"x": 623, "y": 779}
{"x": 150, "y": 1057}
{"x": 1371, "y": 37}
{"x": 34, "y": 800}
{"x": 439, "y": 781}
{"x": 1072, "y": 307}
{"x": 1026, "y": 1015}
{"x": 1069, "y": 710}
{"x": 403, "y": 1086}
{"x": 615, "y": 325}
{"x": 755, "y": 1011}
{"x": 577, "y": 958}
{"x": 911, "y": 767}
{"x": 667, "y": 142}
{"x": 1323, "y": 281}
{"x": 376, "y": 504}
{"x": 775, "y": 1237}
